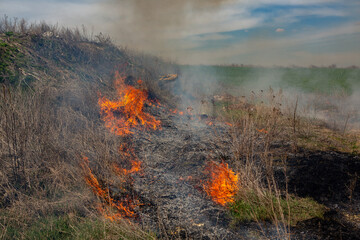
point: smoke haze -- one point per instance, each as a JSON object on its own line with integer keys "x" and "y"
{"x": 156, "y": 25}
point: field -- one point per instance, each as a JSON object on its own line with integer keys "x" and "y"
{"x": 309, "y": 80}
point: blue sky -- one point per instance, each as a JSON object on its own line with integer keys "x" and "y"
{"x": 264, "y": 32}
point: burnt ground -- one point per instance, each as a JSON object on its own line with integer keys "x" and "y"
{"x": 331, "y": 178}
{"x": 174, "y": 160}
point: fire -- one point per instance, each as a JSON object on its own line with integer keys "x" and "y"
{"x": 223, "y": 183}
{"x": 127, "y": 111}
{"x": 175, "y": 111}
{"x": 229, "y": 124}
{"x": 262, "y": 131}
{"x": 135, "y": 167}
{"x": 128, "y": 151}
{"x": 113, "y": 209}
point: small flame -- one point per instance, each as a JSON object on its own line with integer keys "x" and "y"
{"x": 128, "y": 151}
{"x": 126, "y": 112}
{"x": 123, "y": 208}
{"x": 135, "y": 167}
{"x": 262, "y": 131}
{"x": 229, "y": 124}
{"x": 222, "y": 184}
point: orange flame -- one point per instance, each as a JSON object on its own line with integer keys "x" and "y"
{"x": 223, "y": 183}
{"x": 126, "y": 112}
{"x": 229, "y": 124}
{"x": 262, "y": 131}
{"x": 123, "y": 208}
{"x": 129, "y": 153}
{"x": 135, "y": 167}
{"x": 210, "y": 123}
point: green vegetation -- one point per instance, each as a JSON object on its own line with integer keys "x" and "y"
{"x": 323, "y": 139}
{"x": 11, "y": 59}
{"x": 250, "y": 206}
{"x": 68, "y": 227}
{"x": 318, "y": 80}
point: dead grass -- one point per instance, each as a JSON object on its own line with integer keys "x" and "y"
{"x": 264, "y": 130}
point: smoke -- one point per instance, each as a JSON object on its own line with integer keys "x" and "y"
{"x": 154, "y": 26}
{"x": 331, "y": 95}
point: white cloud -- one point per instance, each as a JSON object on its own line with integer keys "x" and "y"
{"x": 210, "y": 37}
{"x": 279, "y": 51}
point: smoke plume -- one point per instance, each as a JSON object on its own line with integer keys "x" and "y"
{"x": 155, "y": 25}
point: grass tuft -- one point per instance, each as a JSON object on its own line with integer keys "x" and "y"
{"x": 251, "y": 206}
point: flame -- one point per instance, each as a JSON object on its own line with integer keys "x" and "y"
{"x": 123, "y": 207}
{"x": 129, "y": 153}
{"x": 135, "y": 167}
{"x": 262, "y": 130}
{"x": 175, "y": 111}
{"x": 210, "y": 123}
{"x": 223, "y": 183}
{"x": 229, "y": 124}
{"x": 126, "y": 112}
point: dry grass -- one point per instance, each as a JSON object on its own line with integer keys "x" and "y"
{"x": 263, "y": 133}
{"x": 42, "y": 140}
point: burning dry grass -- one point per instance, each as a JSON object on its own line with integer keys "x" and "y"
{"x": 121, "y": 117}
{"x": 40, "y": 171}
{"x": 124, "y": 206}
{"x": 127, "y": 112}
{"x": 222, "y": 184}
{"x": 262, "y": 135}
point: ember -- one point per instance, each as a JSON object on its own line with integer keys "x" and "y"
{"x": 126, "y": 112}
{"x": 222, "y": 185}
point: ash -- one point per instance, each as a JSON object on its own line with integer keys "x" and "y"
{"x": 174, "y": 159}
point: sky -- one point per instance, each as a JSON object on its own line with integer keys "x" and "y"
{"x": 260, "y": 32}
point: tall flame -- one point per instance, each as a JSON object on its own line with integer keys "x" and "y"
{"x": 222, "y": 184}
{"x": 126, "y": 112}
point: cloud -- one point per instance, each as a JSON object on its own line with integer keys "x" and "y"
{"x": 280, "y": 30}
{"x": 210, "y": 37}
{"x": 284, "y": 51}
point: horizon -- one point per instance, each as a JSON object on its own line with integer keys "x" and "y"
{"x": 216, "y": 32}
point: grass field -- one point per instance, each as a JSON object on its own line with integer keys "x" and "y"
{"x": 308, "y": 80}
